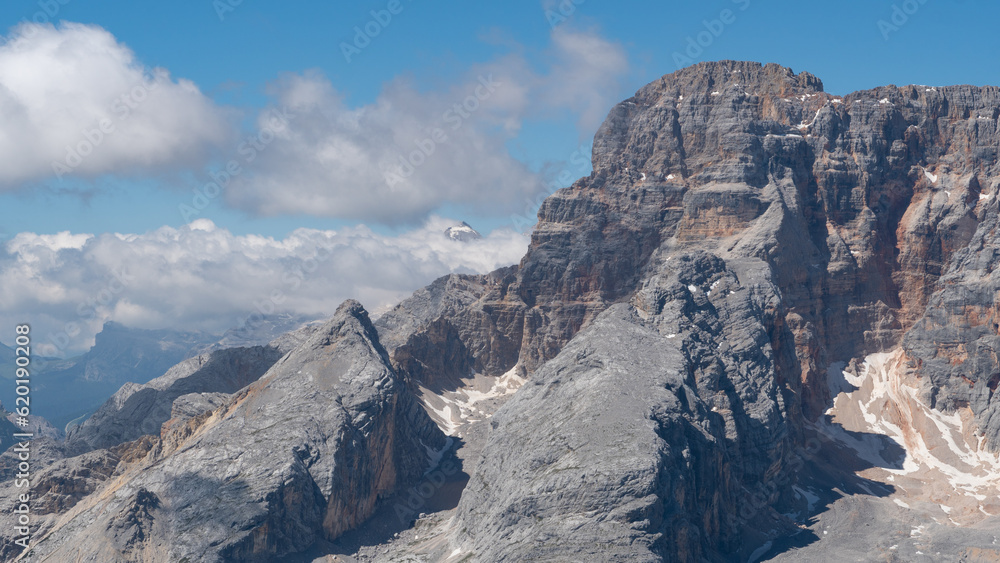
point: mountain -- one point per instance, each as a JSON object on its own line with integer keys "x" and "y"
{"x": 763, "y": 328}
{"x": 191, "y": 387}
{"x": 205, "y": 380}
{"x": 258, "y": 331}
{"x": 684, "y": 315}
{"x": 66, "y": 389}
{"x": 333, "y": 430}
{"x": 462, "y": 233}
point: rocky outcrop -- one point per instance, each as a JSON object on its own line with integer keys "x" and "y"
{"x": 138, "y": 410}
{"x": 456, "y": 325}
{"x": 625, "y": 447}
{"x": 305, "y": 452}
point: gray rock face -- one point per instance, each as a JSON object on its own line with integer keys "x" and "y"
{"x": 632, "y": 444}
{"x": 454, "y": 326}
{"x": 843, "y": 222}
{"x": 956, "y": 343}
{"x": 595, "y": 483}
{"x": 305, "y": 452}
{"x": 138, "y": 410}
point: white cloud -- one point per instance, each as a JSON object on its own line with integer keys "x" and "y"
{"x": 585, "y": 77}
{"x": 77, "y": 102}
{"x": 203, "y": 277}
{"x": 410, "y": 151}
{"x": 59, "y": 85}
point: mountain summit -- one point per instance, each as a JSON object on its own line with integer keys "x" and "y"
{"x": 462, "y": 232}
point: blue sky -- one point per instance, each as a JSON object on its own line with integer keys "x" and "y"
{"x": 543, "y": 74}
{"x": 232, "y": 60}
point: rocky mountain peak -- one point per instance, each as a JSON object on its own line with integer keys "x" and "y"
{"x": 766, "y": 231}
{"x": 462, "y": 232}
{"x": 303, "y": 453}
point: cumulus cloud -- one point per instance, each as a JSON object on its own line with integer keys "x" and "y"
{"x": 201, "y": 277}
{"x": 411, "y": 151}
{"x": 75, "y": 101}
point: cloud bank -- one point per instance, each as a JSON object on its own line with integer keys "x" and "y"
{"x": 201, "y": 277}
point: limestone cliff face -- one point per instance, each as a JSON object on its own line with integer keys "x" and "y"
{"x": 856, "y": 204}
{"x": 955, "y": 345}
{"x": 763, "y": 228}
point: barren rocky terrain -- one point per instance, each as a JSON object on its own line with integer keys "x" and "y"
{"x": 765, "y": 328}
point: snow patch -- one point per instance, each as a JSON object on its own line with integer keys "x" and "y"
{"x": 880, "y": 403}
{"x": 459, "y": 407}
{"x": 803, "y": 126}
{"x": 932, "y": 177}
{"x": 714, "y": 285}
